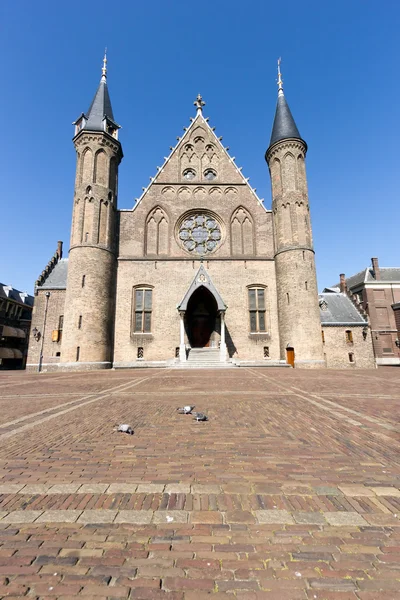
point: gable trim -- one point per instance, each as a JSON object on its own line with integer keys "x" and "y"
{"x": 195, "y": 121}
{"x": 202, "y": 279}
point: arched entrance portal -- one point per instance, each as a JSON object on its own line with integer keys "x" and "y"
{"x": 201, "y": 315}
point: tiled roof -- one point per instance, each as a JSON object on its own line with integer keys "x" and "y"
{"x": 337, "y": 309}
{"x": 57, "y": 280}
{"x": 7, "y": 291}
{"x": 387, "y": 275}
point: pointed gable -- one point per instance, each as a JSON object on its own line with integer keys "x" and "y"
{"x": 202, "y": 279}
{"x": 199, "y": 158}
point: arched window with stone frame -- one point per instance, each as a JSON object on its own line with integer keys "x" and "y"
{"x": 257, "y": 307}
{"x": 142, "y": 308}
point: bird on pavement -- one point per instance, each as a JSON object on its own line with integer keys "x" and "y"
{"x": 185, "y": 410}
{"x": 199, "y": 416}
{"x": 124, "y": 428}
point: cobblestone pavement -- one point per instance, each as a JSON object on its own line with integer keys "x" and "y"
{"x": 290, "y": 491}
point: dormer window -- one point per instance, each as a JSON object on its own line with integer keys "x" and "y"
{"x": 80, "y": 124}
{"x": 111, "y": 131}
{"x": 323, "y": 305}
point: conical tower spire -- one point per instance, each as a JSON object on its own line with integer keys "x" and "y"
{"x": 104, "y": 69}
{"x": 284, "y": 126}
{"x": 100, "y": 115}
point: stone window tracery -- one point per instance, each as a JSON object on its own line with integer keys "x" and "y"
{"x": 200, "y": 233}
{"x": 189, "y": 174}
{"x": 210, "y": 174}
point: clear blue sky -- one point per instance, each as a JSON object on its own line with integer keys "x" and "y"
{"x": 340, "y": 63}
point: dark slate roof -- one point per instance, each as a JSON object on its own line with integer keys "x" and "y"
{"x": 339, "y": 310}
{"x": 284, "y": 126}
{"x": 100, "y": 108}
{"x": 388, "y": 275}
{"x": 7, "y": 291}
{"x": 57, "y": 280}
{"x": 356, "y": 280}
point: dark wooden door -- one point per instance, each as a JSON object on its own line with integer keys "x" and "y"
{"x": 201, "y": 332}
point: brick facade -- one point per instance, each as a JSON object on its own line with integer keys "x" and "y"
{"x": 198, "y": 210}
{"x": 47, "y": 342}
{"x": 341, "y": 353}
{"x": 378, "y": 291}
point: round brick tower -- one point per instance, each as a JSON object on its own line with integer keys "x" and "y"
{"x": 296, "y": 280}
{"x": 87, "y": 341}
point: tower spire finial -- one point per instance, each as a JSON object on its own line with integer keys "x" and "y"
{"x": 280, "y": 82}
{"x": 104, "y": 69}
{"x": 199, "y": 103}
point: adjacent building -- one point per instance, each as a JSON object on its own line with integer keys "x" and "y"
{"x": 377, "y": 290}
{"x": 346, "y": 334}
{"x": 15, "y": 321}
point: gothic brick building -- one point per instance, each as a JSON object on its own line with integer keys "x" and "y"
{"x": 377, "y": 290}
{"x": 197, "y": 271}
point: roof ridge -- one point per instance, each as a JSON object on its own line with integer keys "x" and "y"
{"x": 57, "y": 256}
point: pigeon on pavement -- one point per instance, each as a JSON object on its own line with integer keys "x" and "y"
{"x": 185, "y": 410}
{"x": 125, "y": 428}
{"x": 199, "y": 416}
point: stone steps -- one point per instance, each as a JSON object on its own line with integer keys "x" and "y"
{"x": 204, "y": 358}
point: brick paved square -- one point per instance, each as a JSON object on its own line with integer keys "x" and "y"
{"x": 10, "y": 488}
{"x": 386, "y": 491}
{"x": 35, "y": 489}
{"x": 274, "y": 516}
{"x": 173, "y": 516}
{"x": 59, "y": 516}
{"x": 290, "y": 490}
{"x": 122, "y": 488}
{"x": 93, "y": 488}
{"x": 22, "y": 516}
{"x": 344, "y": 518}
{"x": 64, "y": 488}
{"x": 97, "y": 516}
{"x": 309, "y": 518}
{"x": 139, "y": 517}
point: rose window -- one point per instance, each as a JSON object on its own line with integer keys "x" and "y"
{"x": 200, "y": 233}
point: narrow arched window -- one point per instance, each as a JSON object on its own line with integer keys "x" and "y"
{"x": 143, "y": 303}
{"x": 257, "y": 309}
{"x": 349, "y": 336}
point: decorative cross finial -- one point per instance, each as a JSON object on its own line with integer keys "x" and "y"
{"x": 199, "y": 103}
{"x": 280, "y": 82}
{"x": 104, "y": 69}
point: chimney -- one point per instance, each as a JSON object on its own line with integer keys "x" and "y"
{"x": 343, "y": 285}
{"x": 375, "y": 268}
{"x": 59, "y": 250}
